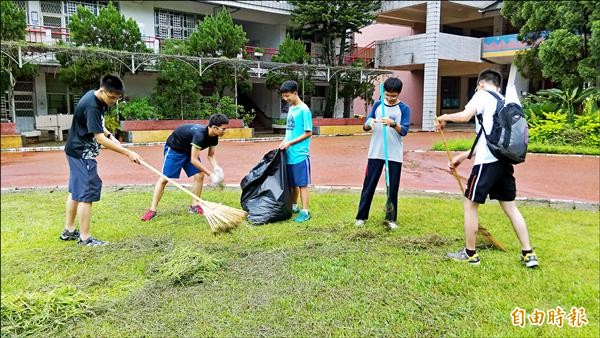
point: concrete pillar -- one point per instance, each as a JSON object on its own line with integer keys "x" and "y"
{"x": 517, "y": 85}
{"x": 431, "y": 50}
{"x": 41, "y": 101}
{"x": 498, "y": 25}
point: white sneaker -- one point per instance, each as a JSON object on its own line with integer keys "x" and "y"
{"x": 390, "y": 225}
{"x": 359, "y": 223}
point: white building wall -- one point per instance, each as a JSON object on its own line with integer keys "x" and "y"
{"x": 431, "y": 50}
{"x": 267, "y": 100}
{"x": 40, "y": 97}
{"x": 261, "y": 35}
{"x": 139, "y": 85}
{"x": 142, "y": 12}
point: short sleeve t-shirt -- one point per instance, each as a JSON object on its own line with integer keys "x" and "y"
{"x": 299, "y": 120}
{"x": 186, "y": 136}
{"x": 485, "y": 104}
{"x": 88, "y": 120}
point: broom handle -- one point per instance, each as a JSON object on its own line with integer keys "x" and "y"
{"x": 171, "y": 181}
{"x": 462, "y": 189}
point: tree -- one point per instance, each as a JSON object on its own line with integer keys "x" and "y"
{"x": 564, "y": 36}
{"x": 290, "y": 51}
{"x": 13, "y": 29}
{"x": 218, "y": 36}
{"x": 355, "y": 86}
{"x": 177, "y": 91}
{"x": 109, "y": 30}
{"x": 331, "y": 20}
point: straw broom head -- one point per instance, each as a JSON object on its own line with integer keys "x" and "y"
{"x": 222, "y": 217}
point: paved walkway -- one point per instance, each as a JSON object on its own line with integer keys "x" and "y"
{"x": 336, "y": 161}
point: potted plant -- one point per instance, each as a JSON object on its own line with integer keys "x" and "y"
{"x": 259, "y": 51}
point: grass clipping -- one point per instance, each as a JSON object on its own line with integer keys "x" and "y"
{"x": 186, "y": 266}
{"x": 43, "y": 312}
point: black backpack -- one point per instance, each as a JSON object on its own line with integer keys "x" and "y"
{"x": 508, "y": 138}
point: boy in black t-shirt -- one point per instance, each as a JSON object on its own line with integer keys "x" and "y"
{"x": 86, "y": 135}
{"x": 182, "y": 151}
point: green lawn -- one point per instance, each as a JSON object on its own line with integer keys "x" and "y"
{"x": 173, "y": 277}
{"x": 533, "y": 147}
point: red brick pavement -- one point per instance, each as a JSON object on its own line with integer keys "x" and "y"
{"x": 336, "y": 161}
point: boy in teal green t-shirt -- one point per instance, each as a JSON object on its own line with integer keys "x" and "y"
{"x": 297, "y": 146}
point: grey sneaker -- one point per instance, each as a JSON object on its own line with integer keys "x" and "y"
{"x": 461, "y": 256}
{"x": 91, "y": 241}
{"x": 530, "y": 260}
{"x": 67, "y": 235}
{"x": 359, "y": 223}
{"x": 391, "y": 225}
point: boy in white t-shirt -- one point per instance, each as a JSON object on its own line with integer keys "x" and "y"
{"x": 489, "y": 176}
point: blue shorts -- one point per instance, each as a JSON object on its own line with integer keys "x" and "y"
{"x": 299, "y": 173}
{"x": 175, "y": 161}
{"x": 84, "y": 183}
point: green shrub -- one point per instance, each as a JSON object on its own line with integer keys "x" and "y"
{"x": 215, "y": 104}
{"x": 138, "y": 108}
{"x": 589, "y": 125}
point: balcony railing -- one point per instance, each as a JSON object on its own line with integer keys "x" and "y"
{"x": 51, "y": 35}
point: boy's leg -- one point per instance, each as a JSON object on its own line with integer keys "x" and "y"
{"x": 471, "y": 222}
{"x": 197, "y": 186}
{"x": 84, "y": 211}
{"x": 518, "y": 223}
{"x": 304, "y": 195}
{"x": 395, "y": 169}
{"x": 159, "y": 189}
{"x": 295, "y": 194}
{"x": 372, "y": 174}
{"x": 71, "y": 214}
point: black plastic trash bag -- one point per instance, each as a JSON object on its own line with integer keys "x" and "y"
{"x": 265, "y": 190}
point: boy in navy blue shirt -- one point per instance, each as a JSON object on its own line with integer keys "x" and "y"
{"x": 182, "y": 151}
{"x": 86, "y": 135}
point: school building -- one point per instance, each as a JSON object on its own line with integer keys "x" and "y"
{"x": 436, "y": 48}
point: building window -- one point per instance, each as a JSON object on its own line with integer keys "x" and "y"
{"x": 450, "y": 92}
{"x": 55, "y": 14}
{"x": 173, "y": 25}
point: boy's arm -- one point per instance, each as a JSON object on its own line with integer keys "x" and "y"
{"x": 371, "y": 117}
{"x": 108, "y": 144}
{"x": 211, "y": 157}
{"x": 195, "y": 159}
{"x": 463, "y": 116}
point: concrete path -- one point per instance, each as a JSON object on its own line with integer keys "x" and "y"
{"x": 336, "y": 161}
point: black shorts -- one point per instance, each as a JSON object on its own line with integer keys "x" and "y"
{"x": 495, "y": 179}
{"x": 84, "y": 183}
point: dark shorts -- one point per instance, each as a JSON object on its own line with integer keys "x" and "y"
{"x": 175, "y": 161}
{"x": 299, "y": 173}
{"x": 494, "y": 179}
{"x": 84, "y": 183}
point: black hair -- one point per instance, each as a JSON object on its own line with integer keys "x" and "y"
{"x": 217, "y": 120}
{"x": 112, "y": 83}
{"x": 490, "y": 75}
{"x": 392, "y": 85}
{"x": 289, "y": 87}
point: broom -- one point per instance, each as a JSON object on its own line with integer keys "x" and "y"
{"x": 481, "y": 229}
{"x": 389, "y": 206}
{"x": 220, "y": 217}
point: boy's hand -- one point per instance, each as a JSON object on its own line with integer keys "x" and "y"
{"x": 440, "y": 122}
{"x": 134, "y": 157}
{"x": 284, "y": 145}
{"x": 370, "y": 122}
{"x": 456, "y": 161}
{"x": 387, "y": 121}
